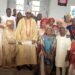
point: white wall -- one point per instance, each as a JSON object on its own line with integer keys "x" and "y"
{"x": 3, "y": 6}
{"x": 49, "y": 8}
{"x": 43, "y": 9}
{"x": 11, "y": 4}
{"x": 59, "y": 11}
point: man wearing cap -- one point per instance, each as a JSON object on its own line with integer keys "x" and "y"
{"x": 26, "y": 36}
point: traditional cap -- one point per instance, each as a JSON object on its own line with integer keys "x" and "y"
{"x": 60, "y": 20}
{"x": 28, "y": 10}
{"x": 44, "y": 20}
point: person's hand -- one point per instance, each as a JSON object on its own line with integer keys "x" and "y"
{"x": 20, "y": 43}
{"x": 33, "y": 41}
{"x": 41, "y": 53}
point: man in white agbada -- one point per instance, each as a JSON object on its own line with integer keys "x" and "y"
{"x": 8, "y": 16}
{"x": 63, "y": 44}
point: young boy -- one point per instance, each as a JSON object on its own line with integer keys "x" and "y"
{"x": 62, "y": 47}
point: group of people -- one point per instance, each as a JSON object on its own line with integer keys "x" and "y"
{"x": 29, "y": 41}
{"x": 57, "y": 45}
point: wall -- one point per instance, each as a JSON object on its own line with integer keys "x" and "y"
{"x": 59, "y": 11}
{"x": 3, "y": 6}
{"x": 49, "y": 8}
{"x": 43, "y": 8}
{"x": 11, "y": 4}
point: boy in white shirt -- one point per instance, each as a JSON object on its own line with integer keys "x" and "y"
{"x": 63, "y": 44}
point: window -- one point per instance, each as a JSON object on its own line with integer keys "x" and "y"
{"x": 35, "y": 7}
{"x": 72, "y": 11}
{"x": 20, "y": 6}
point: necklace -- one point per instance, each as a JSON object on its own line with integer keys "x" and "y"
{"x": 28, "y": 27}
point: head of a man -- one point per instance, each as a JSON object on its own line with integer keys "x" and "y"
{"x": 19, "y": 15}
{"x": 28, "y": 13}
{"x": 14, "y": 12}
{"x": 62, "y": 31}
{"x": 39, "y": 16}
{"x": 8, "y": 12}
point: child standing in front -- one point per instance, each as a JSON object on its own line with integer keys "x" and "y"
{"x": 63, "y": 44}
{"x": 48, "y": 50}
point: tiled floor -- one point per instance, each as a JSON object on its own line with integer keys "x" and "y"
{"x": 6, "y": 71}
{"x": 14, "y": 72}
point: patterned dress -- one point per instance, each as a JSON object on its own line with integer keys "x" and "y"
{"x": 48, "y": 48}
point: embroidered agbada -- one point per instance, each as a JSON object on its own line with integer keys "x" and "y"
{"x": 9, "y": 47}
{"x": 26, "y": 31}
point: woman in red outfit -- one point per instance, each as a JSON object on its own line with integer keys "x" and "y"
{"x": 41, "y": 31}
{"x": 54, "y": 27}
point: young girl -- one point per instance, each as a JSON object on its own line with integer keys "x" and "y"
{"x": 48, "y": 52}
{"x": 72, "y": 59}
